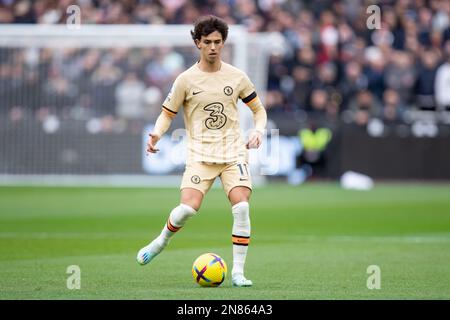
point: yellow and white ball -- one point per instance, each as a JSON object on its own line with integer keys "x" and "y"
{"x": 209, "y": 270}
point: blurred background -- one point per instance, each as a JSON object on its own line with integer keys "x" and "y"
{"x": 347, "y": 90}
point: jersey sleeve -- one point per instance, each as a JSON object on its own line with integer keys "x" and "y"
{"x": 176, "y": 96}
{"x": 250, "y": 98}
{"x": 247, "y": 89}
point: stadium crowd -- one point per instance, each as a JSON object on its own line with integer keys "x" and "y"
{"x": 333, "y": 67}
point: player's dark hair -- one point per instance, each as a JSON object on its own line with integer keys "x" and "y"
{"x": 208, "y": 24}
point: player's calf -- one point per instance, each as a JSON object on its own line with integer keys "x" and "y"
{"x": 176, "y": 221}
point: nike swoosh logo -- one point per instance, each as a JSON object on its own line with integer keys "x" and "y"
{"x": 194, "y": 93}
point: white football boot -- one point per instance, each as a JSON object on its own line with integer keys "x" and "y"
{"x": 238, "y": 280}
{"x": 147, "y": 253}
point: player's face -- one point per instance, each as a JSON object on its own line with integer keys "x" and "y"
{"x": 210, "y": 46}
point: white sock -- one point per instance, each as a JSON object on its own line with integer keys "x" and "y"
{"x": 241, "y": 236}
{"x": 177, "y": 218}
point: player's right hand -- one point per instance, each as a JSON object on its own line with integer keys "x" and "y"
{"x": 151, "y": 143}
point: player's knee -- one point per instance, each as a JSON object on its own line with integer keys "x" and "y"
{"x": 239, "y": 194}
{"x": 188, "y": 211}
{"x": 192, "y": 202}
{"x": 237, "y": 200}
{"x": 181, "y": 214}
{"x": 192, "y": 198}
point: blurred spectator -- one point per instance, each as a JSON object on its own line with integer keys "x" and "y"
{"x": 275, "y": 102}
{"x": 129, "y": 96}
{"x": 104, "y": 81}
{"x": 172, "y": 61}
{"x": 319, "y": 101}
{"x": 347, "y": 39}
{"x": 391, "y": 21}
{"x": 5, "y": 88}
{"x": 442, "y": 84}
{"x": 322, "y": 108}
{"x": 60, "y": 95}
{"x": 375, "y": 70}
{"x": 353, "y": 81}
{"x": 277, "y": 69}
{"x": 326, "y": 76}
{"x": 424, "y": 87}
{"x": 446, "y": 34}
{"x": 329, "y": 37}
{"x": 162, "y": 69}
{"x": 306, "y": 57}
{"x": 315, "y": 140}
{"x": 87, "y": 65}
{"x": 425, "y": 17}
{"x": 23, "y": 12}
{"x": 364, "y": 107}
{"x": 302, "y": 86}
{"x": 441, "y": 18}
{"x": 32, "y": 90}
{"x": 6, "y": 16}
{"x": 392, "y": 107}
{"x": 400, "y": 75}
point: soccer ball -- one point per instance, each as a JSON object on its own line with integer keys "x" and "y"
{"x": 209, "y": 270}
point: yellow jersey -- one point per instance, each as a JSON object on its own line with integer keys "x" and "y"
{"x": 211, "y": 117}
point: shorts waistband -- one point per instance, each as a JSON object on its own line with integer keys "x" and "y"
{"x": 211, "y": 163}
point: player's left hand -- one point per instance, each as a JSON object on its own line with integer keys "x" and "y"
{"x": 254, "y": 140}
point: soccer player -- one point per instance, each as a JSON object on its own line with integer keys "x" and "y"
{"x": 209, "y": 92}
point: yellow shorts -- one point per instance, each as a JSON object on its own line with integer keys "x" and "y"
{"x": 201, "y": 176}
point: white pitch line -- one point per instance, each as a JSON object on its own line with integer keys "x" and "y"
{"x": 439, "y": 238}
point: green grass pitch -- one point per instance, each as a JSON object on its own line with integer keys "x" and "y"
{"x": 315, "y": 241}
